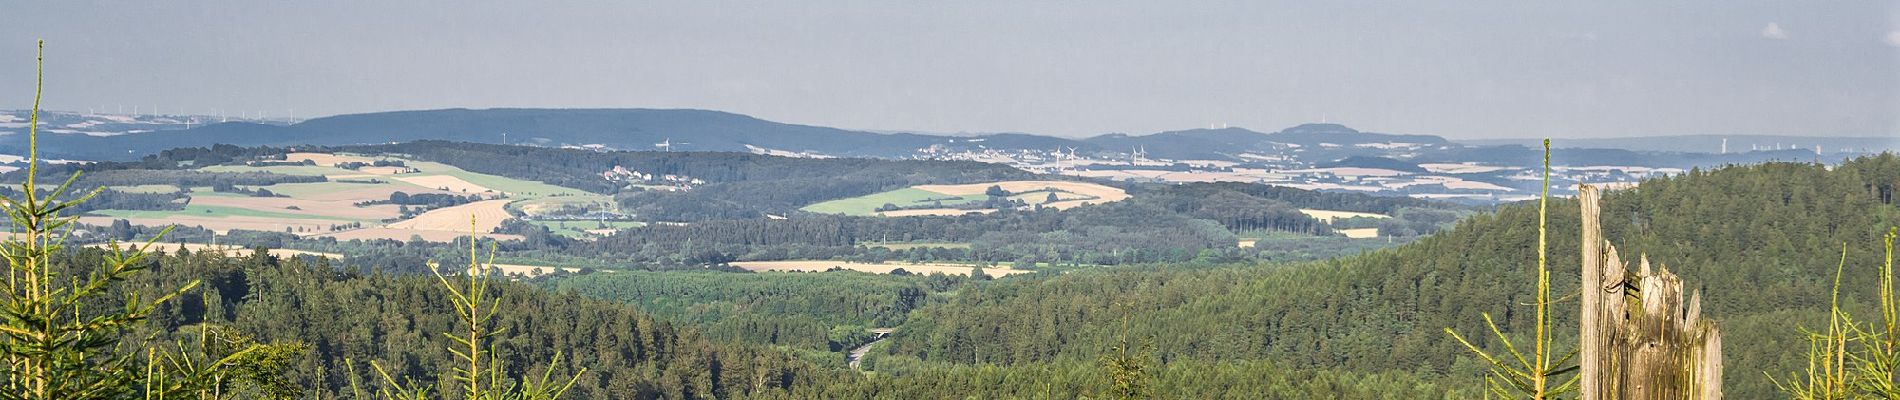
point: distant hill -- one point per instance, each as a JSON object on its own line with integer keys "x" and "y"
{"x": 632, "y": 129}
{"x": 1315, "y": 134}
{"x": 642, "y": 129}
{"x": 1713, "y": 143}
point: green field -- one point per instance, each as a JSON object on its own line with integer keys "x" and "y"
{"x": 310, "y": 170}
{"x": 867, "y": 205}
{"x": 296, "y": 190}
{"x": 908, "y": 246}
{"x": 517, "y": 187}
{"x": 578, "y": 229}
{"x": 212, "y": 211}
{"x": 540, "y": 206}
{"x": 145, "y": 188}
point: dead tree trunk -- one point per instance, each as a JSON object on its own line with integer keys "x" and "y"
{"x": 1640, "y": 340}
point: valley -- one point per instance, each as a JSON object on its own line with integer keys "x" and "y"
{"x": 955, "y": 200}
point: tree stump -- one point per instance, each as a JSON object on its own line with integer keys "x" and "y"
{"x": 1640, "y": 340}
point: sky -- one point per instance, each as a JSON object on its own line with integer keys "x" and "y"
{"x": 1460, "y": 69}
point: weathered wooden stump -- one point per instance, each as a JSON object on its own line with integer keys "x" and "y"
{"x": 1640, "y": 340}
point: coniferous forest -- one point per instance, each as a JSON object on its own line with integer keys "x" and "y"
{"x": 1203, "y": 290}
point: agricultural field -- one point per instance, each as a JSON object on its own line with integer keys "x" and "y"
{"x": 867, "y": 205}
{"x": 883, "y": 268}
{"x": 1076, "y": 192}
{"x": 1328, "y": 215}
{"x": 914, "y": 199}
{"x": 229, "y": 251}
{"x": 583, "y": 229}
{"x": 555, "y": 204}
{"x": 315, "y": 208}
{"x": 222, "y": 218}
{"x": 145, "y": 188}
{"x": 481, "y": 216}
{"x": 919, "y": 245}
{"x": 1360, "y": 233}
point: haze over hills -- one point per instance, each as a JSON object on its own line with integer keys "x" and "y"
{"x": 1714, "y": 143}
{"x": 115, "y": 137}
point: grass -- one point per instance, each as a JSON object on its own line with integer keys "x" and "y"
{"x": 908, "y": 246}
{"x": 305, "y": 190}
{"x": 541, "y": 206}
{"x": 213, "y": 212}
{"x": 308, "y": 170}
{"x": 578, "y": 229}
{"x": 868, "y": 204}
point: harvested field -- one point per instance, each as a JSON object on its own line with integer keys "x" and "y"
{"x": 488, "y": 215}
{"x": 1068, "y": 195}
{"x": 443, "y": 182}
{"x": 885, "y": 268}
{"x": 1361, "y": 233}
{"x": 406, "y": 234}
{"x": 529, "y": 270}
{"x": 326, "y": 159}
{"x": 1328, "y": 215}
{"x": 511, "y": 186}
{"x": 218, "y": 224}
{"x": 383, "y": 170}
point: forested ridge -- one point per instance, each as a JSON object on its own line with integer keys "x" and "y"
{"x": 343, "y": 317}
{"x": 1761, "y": 241}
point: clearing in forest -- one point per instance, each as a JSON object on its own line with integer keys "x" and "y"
{"x": 1328, "y": 216}
{"x": 959, "y": 199}
{"x": 879, "y": 268}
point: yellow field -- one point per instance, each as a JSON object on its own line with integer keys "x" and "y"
{"x": 529, "y": 270}
{"x": 1361, "y": 233}
{"x": 1102, "y": 194}
{"x": 440, "y": 225}
{"x": 405, "y": 234}
{"x": 488, "y": 215}
{"x": 443, "y": 182}
{"x": 325, "y": 159}
{"x": 1328, "y": 216}
{"x": 885, "y": 268}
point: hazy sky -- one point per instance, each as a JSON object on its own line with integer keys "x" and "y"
{"x": 1463, "y": 69}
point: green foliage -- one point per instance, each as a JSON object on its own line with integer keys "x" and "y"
{"x": 1853, "y": 360}
{"x": 1531, "y": 376}
{"x": 61, "y": 327}
{"x": 818, "y": 311}
{"x": 1744, "y": 230}
{"x": 481, "y": 374}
